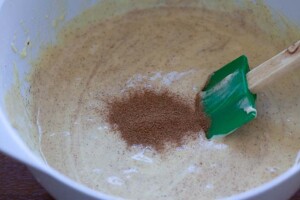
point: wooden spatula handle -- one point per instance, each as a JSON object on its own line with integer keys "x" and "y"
{"x": 270, "y": 70}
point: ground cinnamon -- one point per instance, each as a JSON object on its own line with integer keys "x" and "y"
{"x": 150, "y": 118}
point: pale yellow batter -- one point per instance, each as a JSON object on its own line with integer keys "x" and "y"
{"x": 171, "y": 47}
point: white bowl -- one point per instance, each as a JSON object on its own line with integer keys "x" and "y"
{"x": 32, "y": 19}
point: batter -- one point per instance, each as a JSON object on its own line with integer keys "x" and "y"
{"x": 173, "y": 47}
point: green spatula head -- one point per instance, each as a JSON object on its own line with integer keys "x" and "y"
{"x": 226, "y": 99}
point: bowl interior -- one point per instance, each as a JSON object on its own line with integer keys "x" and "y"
{"x": 30, "y": 26}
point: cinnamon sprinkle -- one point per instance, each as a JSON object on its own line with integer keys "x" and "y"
{"x": 149, "y": 118}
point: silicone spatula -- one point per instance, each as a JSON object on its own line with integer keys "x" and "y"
{"x": 228, "y": 97}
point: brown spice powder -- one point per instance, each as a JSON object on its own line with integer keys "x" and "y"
{"x": 149, "y": 118}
